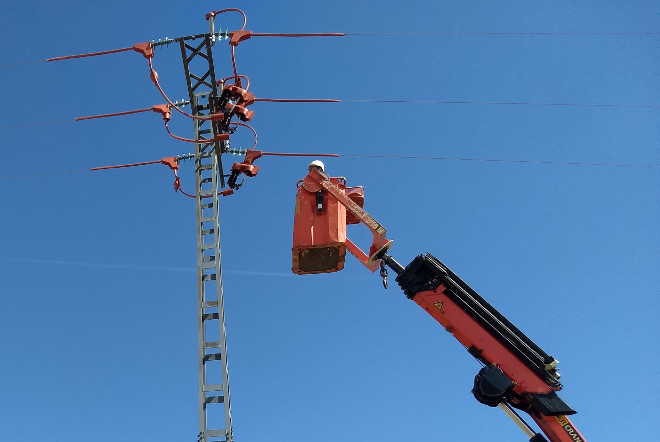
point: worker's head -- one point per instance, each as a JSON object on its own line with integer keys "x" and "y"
{"x": 316, "y": 165}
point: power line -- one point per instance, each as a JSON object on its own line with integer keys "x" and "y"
{"x": 459, "y": 34}
{"x": 446, "y": 102}
{"x": 36, "y": 123}
{"x": 411, "y": 34}
{"x": 510, "y": 103}
{"x": 33, "y": 175}
{"x": 402, "y": 157}
{"x": 13, "y": 65}
{"x": 499, "y": 160}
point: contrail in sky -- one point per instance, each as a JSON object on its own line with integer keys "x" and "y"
{"x": 137, "y": 267}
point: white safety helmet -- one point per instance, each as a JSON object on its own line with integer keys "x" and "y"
{"x": 317, "y": 163}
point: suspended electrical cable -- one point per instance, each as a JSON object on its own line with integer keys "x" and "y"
{"x": 36, "y": 123}
{"x": 121, "y": 166}
{"x": 13, "y": 65}
{"x": 293, "y": 100}
{"x": 115, "y": 114}
{"x": 282, "y": 154}
{"x": 509, "y": 103}
{"x": 35, "y": 175}
{"x": 332, "y": 100}
{"x": 452, "y": 34}
{"x": 314, "y": 34}
{"x": 91, "y": 54}
{"x": 498, "y": 160}
{"x": 353, "y": 34}
{"x": 396, "y": 157}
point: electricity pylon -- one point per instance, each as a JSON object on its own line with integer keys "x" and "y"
{"x": 212, "y": 340}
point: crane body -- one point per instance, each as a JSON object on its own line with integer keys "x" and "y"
{"x": 516, "y": 373}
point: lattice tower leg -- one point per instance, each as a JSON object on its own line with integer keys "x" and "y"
{"x": 212, "y": 342}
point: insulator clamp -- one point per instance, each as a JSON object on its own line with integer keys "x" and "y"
{"x": 166, "y": 41}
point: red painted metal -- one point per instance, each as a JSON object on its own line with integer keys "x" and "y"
{"x": 164, "y": 110}
{"x": 356, "y": 194}
{"x": 314, "y": 230}
{"x": 145, "y": 49}
{"x": 319, "y": 238}
{"x": 214, "y": 13}
{"x": 246, "y": 166}
{"x": 322, "y": 236}
{"x": 558, "y": 428}
{"x": 246, "y": 98}
{"x": 171, "y": 162}
{"x": 218, "y": 137}
{"x": 243, "y": 99}
{"x": 242, "y": 112}
{"x": 238, "y": 36}
{"x": 116, "y": 114}
{"x": 471, "y": 334}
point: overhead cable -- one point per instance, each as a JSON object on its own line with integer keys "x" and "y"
{"x": 458, "y": 34}
{"x": 510, "y": 103}
{"x": 396, "y": 157}
{"x": 499, "y": 160}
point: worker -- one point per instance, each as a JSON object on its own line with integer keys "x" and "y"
{"x": 316, "y": 165}
{"x": 320, "y": 168}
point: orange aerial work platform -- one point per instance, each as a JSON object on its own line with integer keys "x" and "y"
{"x": 324, "y": 206}
{"x": 516, "y": 373}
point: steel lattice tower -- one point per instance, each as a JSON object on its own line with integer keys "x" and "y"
{"x": 212, "y": 343}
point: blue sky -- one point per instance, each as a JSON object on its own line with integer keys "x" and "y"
{"x": 97, "y": 269}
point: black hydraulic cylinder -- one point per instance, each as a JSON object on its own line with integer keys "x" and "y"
{"x": 392, "y": 264}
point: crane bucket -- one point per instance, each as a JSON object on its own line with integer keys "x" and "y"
{"x": 319, "y": 232}
{"x": 324, "y": 206}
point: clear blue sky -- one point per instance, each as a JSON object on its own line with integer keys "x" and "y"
{"x": 97, "y": 269}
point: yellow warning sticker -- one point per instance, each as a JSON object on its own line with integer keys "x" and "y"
{"x": 439, "y": 305}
